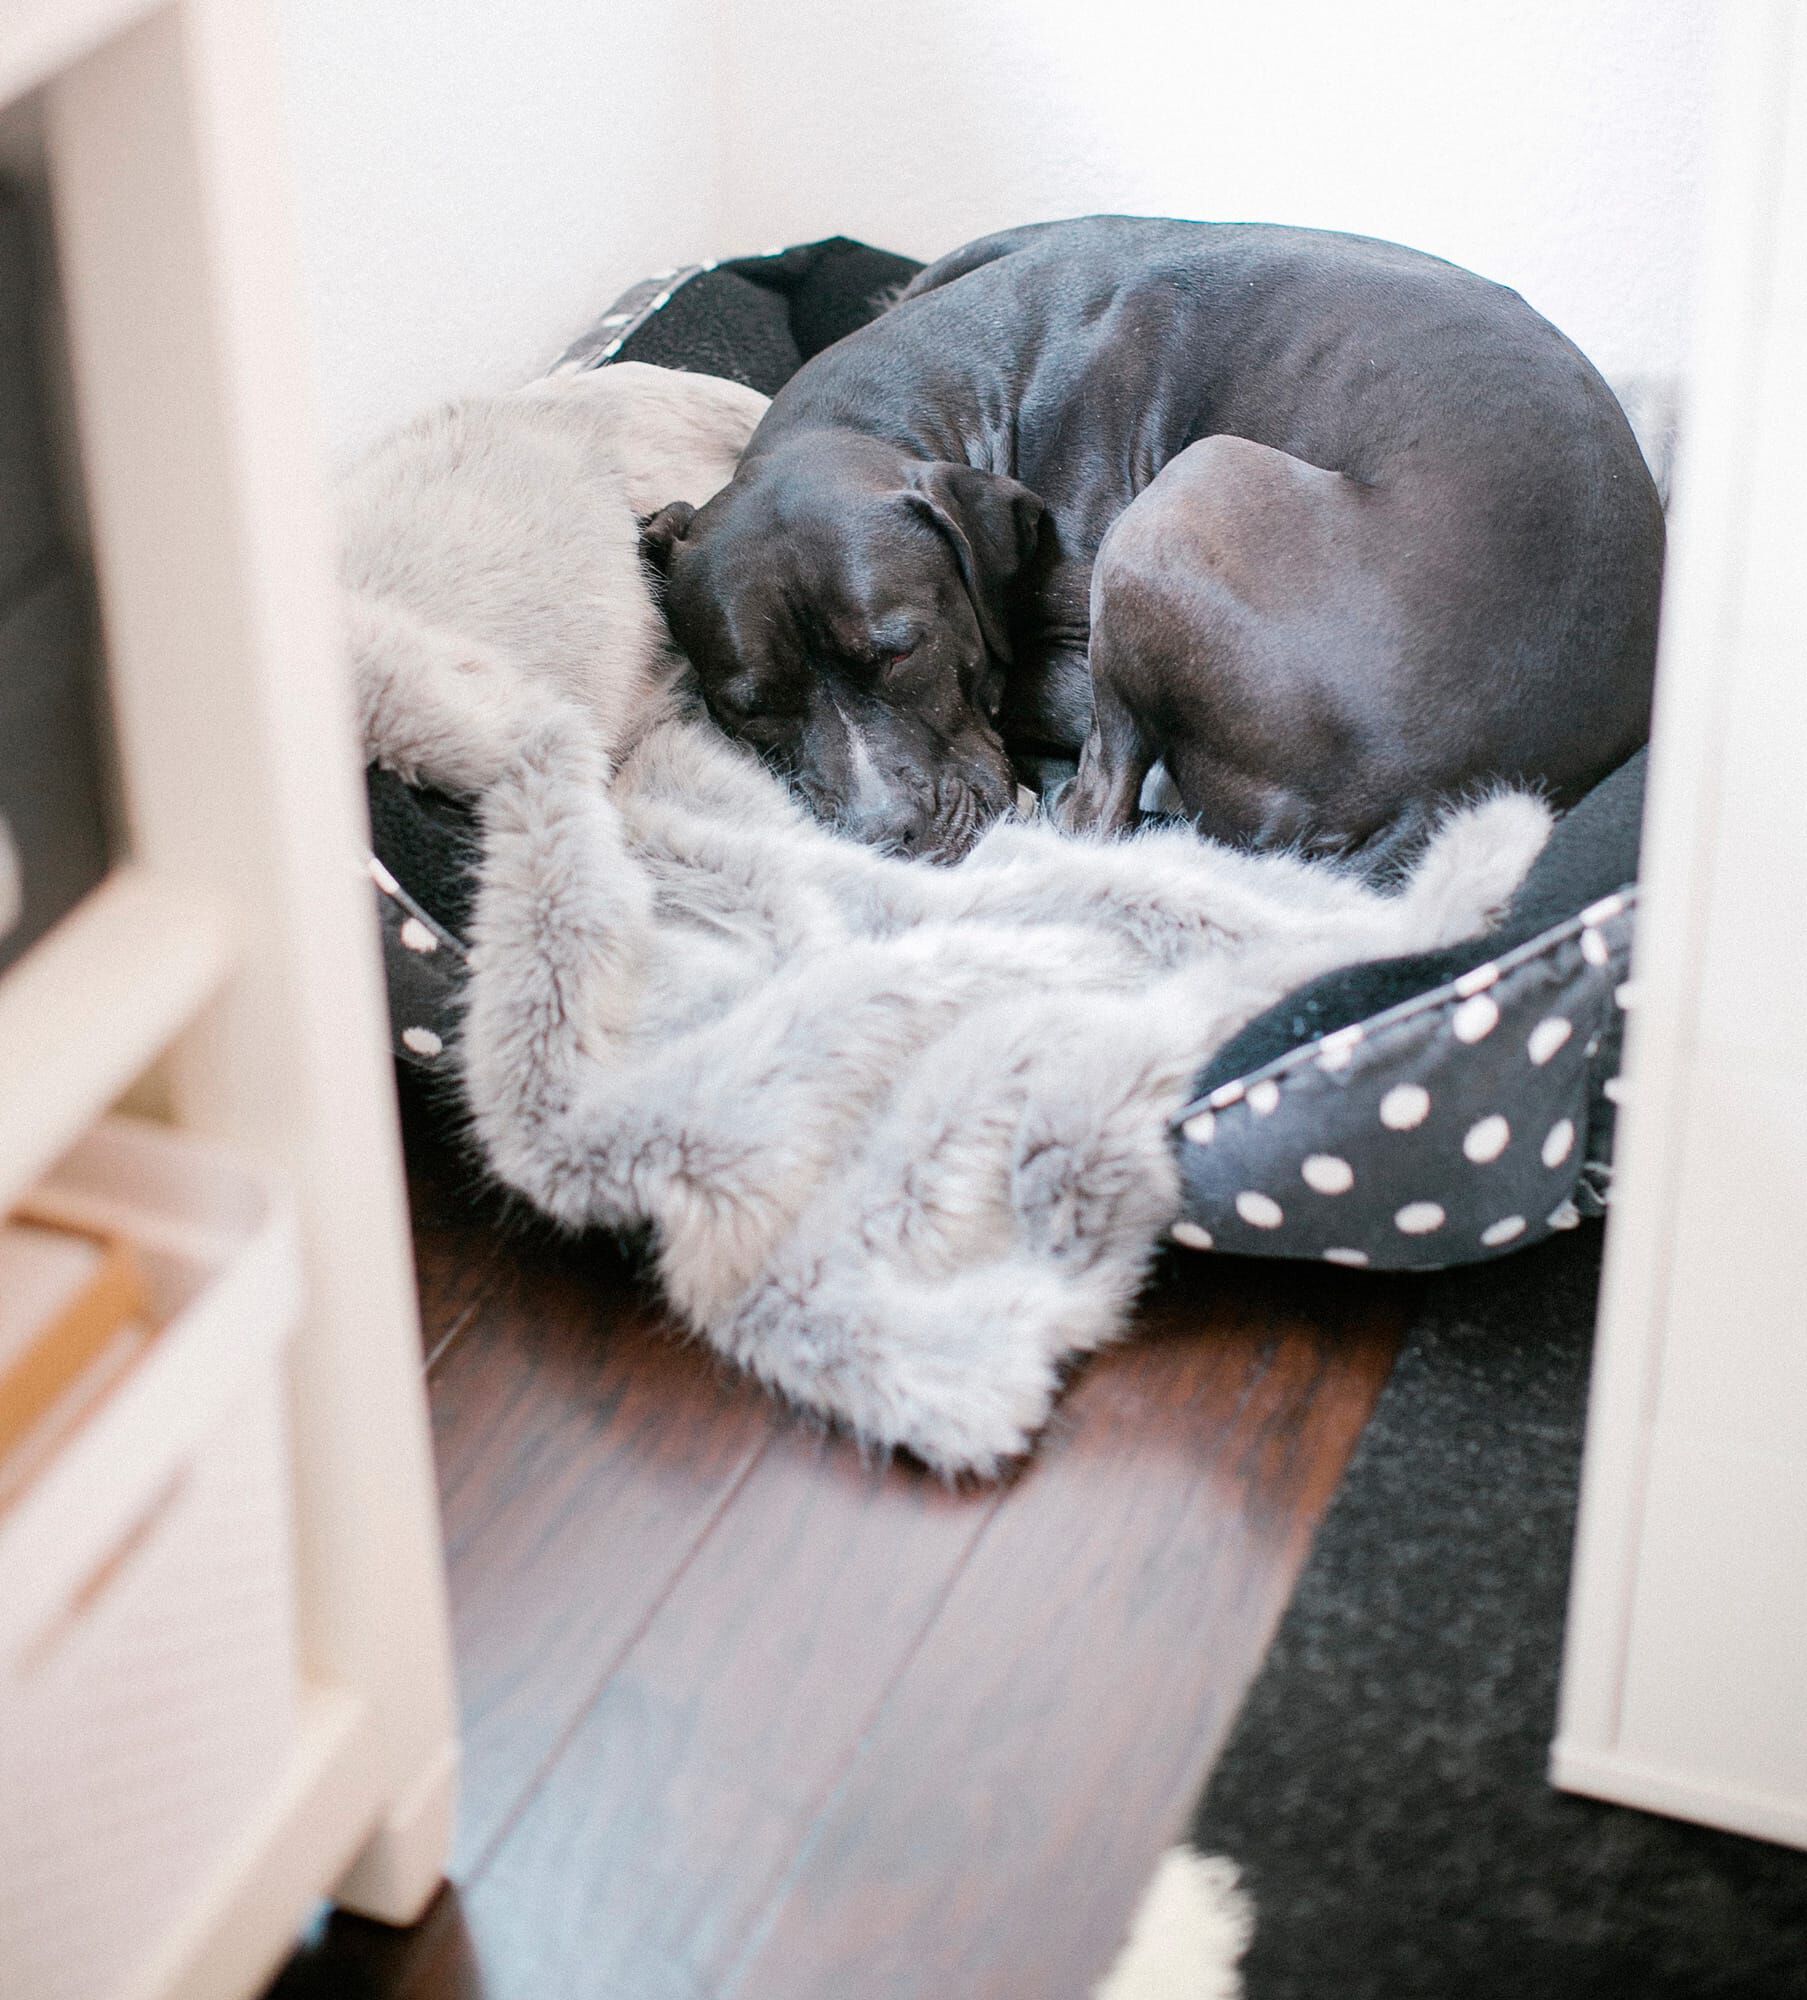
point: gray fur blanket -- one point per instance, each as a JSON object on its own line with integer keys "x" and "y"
{"x": 899, "y": 1135}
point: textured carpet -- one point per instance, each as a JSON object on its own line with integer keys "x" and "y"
{"x": 1383, "y": 1794}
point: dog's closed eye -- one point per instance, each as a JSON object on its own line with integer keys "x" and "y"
{"x": 889, "y": 656}
{"x": 758, "y": 711}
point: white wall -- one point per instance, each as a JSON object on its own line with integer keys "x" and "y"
{"x": 476, "y": 180}
{"x": 1552, "y": 144}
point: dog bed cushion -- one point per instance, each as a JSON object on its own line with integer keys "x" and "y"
{"x": 1408, "y": 1113}
{"x": 1437, "y": 1109}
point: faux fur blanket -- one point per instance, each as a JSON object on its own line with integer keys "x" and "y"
{"x": 899, "y": 1134}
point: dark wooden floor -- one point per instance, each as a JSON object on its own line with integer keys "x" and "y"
{"x": 746, "y": 1719}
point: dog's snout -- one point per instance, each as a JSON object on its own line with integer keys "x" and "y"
{"x": 898, "y": 826}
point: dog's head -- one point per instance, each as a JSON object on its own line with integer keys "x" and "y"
{"x": 845, "y": 608}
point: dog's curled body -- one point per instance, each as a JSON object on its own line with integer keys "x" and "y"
{"x": 489, "y": 555}
{"x": 1333, "y": 530}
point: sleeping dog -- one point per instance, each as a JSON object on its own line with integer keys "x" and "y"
{"x": 1331, "y": 528}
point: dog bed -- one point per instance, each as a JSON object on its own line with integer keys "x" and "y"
{"x": 1408, "y": 1113}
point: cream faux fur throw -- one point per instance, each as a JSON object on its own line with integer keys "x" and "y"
{"x": 898, "y": 1134}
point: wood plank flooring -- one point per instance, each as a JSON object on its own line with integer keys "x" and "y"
{"x": 748, "y": 1719}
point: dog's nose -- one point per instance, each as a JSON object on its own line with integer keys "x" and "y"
{"x": 897, "y": 828}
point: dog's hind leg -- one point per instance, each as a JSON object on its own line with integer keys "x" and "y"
{"x": 1106, "y": 796}
{"x": 1242, "y": 632}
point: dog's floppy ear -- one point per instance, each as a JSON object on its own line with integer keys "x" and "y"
{"x": 660, "y": 534}
{"x": 991, "y": 522}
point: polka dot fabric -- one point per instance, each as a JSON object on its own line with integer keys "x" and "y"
{"x": 1459, "y": 1125}
{"x": 426, "y": 966}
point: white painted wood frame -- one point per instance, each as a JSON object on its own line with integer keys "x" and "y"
{"x": 239, "y": 935}
{"x": 1685, "y": 1678}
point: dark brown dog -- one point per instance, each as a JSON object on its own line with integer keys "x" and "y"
{"x": 1332, "y": 528}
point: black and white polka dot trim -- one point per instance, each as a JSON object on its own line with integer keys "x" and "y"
{"x": 605, "y": 338}
{"x": 425, "y": 967}
{"x": 1463, "y": 1123}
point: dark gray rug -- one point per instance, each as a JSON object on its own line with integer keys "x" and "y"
{"x": 1383, "y": 1793}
